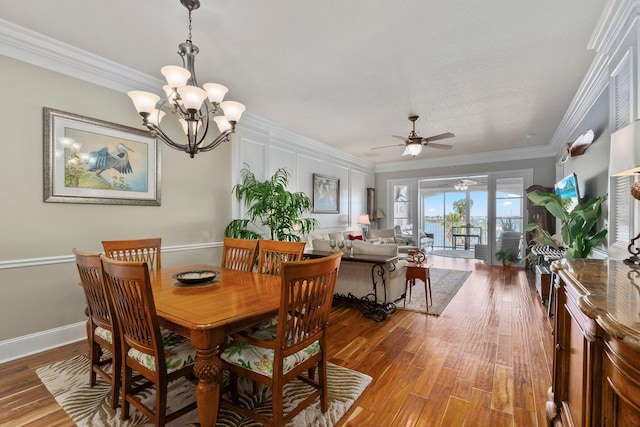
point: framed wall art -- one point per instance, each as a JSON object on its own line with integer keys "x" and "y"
{"x": 326, "y": 194}
{"x": 93, "y": 161}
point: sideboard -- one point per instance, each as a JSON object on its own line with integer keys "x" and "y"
{"x": 596, "y": 363}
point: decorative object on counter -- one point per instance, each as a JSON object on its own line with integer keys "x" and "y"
{"x": 194, "y": 107}
{"x": 363, "y": 220}
{"x": 634, "y": 250}
{"x": 635, "y": 190}
{"x": 576, "y": 225}
{"x": 272, "y": 210}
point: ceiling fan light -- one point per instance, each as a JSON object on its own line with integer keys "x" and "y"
{"x": 414, "y": 149}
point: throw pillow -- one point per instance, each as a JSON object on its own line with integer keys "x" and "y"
{"x": 352, "y": 237}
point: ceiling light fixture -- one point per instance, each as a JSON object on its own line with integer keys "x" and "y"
{"x": 194, "y": 107}
{"x": 460, "y": 186}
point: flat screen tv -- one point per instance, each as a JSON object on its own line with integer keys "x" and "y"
{"x": 567, "y": 188}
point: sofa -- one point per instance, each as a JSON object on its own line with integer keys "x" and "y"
{"x": 355, "y": 277}
{"x": 388, "y": 235}
{"x": 405, "y": 232}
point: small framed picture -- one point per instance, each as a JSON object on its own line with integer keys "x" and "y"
{"x": 326, "y": 194}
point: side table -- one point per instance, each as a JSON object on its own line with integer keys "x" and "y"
{"x": 420, "y": 272}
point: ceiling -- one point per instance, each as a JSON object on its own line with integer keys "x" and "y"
{"x": 500, "y": 74}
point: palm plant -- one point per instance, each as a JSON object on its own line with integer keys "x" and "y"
{"x": 271, "y": 207}
{"x": 576, "y": 225}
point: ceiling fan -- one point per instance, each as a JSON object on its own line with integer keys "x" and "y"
{"x": 413, "y": 143}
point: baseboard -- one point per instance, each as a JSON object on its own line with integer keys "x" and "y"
{"x": 35, "y": 343}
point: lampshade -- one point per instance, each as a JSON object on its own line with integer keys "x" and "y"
{"x": 414, "y": 149}
{"x": 624, "y": 157}
{"x": 379, "y": 214}
{"x": 363, "y": 219}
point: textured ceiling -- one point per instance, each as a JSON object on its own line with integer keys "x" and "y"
{"x": 500, "y": 74}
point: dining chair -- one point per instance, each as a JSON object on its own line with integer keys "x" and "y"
{"x": 157, "y": 355}
{"x": 140, "y": 250}
{"x": 102, "y": 329}
{"x": 273, "y": 253}
{"x": 239, "y": 254}
{"x": 299, "y": 343}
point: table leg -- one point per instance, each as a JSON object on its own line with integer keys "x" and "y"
{"x": 208, "y": 370}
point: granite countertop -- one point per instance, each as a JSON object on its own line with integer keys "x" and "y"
{"x": 609, "y": 293}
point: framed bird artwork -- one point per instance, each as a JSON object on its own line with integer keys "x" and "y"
{"x": 93, "y": 161}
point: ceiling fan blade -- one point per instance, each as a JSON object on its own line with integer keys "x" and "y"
{"x": 404, "y": 138}
{"x": 387, "y": 146}
{"x": 438, "y": 146}
{"x": 441, "y": 136}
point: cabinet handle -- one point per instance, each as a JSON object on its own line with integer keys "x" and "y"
{"x": 558, "y": 347}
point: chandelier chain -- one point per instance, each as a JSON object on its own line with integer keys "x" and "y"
{"x": 189, "y": 38}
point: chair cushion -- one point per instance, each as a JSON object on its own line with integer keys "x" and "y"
{"x": 177, "y": 350}
{"x": 105, "y": 334}
{"x": 260, "y": 360}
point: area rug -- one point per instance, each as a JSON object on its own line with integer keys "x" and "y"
{"x": 68, "y": 382}
{"x": 454, "y": 253}
{"x": 445, "y": 284}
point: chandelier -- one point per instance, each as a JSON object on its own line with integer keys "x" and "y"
{"x": 193, "y": 106}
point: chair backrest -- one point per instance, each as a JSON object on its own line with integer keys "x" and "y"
{"x": 129, "y": 289}
{"x": 90, "y": 270}
{"x": 509, "y": 240}
{"x": 273, "y": 253}
{"x": 138, "y": 250}
{"x": 307, "y": 293}
{"x": 239, "y": 254}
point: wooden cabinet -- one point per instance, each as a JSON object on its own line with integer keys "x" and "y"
{"x": 596, "y": 366}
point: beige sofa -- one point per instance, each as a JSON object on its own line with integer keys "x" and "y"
{"x": 356, "y": 278}
{"x": 388, "y": 235}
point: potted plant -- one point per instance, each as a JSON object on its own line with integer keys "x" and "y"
{"x": 273, "y": 211}
{"x": 507, "y": 256}
{"x": 577, "y": 225}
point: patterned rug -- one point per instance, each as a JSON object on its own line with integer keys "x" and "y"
{"x": 68, "y": 382}
{"x": 445, "y": 284}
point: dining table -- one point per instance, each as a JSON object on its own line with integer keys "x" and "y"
{"x": 207, "y": 313}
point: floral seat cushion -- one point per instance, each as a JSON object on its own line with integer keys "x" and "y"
{"x": 260, "y": 360}
{"x": 105, "y": 334}
{"x": 177, "y": 350}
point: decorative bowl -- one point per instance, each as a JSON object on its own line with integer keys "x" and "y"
{"x": 195, "y": 277}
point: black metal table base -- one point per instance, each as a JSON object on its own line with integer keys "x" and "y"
{"x": 368, "y": 306}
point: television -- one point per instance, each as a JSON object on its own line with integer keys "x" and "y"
{"x": 567, "y": 189}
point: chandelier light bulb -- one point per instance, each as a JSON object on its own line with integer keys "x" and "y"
{"x": 175, "y": 76}
{"x": 192, "y": 97}
{"x": 215, "y": 92}
{"x": 145, "y": 102}
{"x": 185, "y": 125}
{"x": 156, "y": 116}
{"x": 223, "y": 123}
{"x": 232, "y": 110}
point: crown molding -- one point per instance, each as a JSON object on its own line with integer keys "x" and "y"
{"x": 469, "y": 159}
{"x": 34, "y": 48}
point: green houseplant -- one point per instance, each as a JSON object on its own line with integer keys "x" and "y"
{"x": 273, "y": 211}
{"x": 507, "y": 256}
{"x": 576, "y": 225}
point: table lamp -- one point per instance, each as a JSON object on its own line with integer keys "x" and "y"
{"x": 363, "y": 220}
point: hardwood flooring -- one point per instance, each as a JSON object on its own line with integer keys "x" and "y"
{"x": 486, "y": 361}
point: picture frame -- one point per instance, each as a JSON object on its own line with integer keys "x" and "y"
{"x": 88, "y": 160}
{"x": 326, "y": 194}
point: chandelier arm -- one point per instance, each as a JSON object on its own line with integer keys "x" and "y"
{"x": 223, "y": 137}
{"x": 164, "y": 137}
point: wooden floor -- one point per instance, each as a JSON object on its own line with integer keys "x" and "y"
{"x": 486, "y": 361}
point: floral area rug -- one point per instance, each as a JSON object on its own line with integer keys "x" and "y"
{"x": 445, "y": 284}
{"x": 68, "y": 382}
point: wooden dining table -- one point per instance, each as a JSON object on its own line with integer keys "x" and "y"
{"x": 207, "y": 313}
